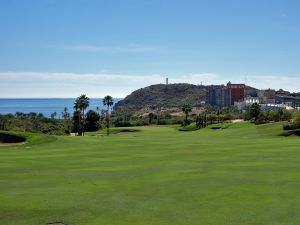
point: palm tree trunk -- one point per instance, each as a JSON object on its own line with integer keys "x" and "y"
{"x": 83, "y": 122}
{"x": 186, "y": 118}
{"x": 79, "y": 122}
{"x": 107, "y": 122}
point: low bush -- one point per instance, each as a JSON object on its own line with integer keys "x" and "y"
{"x": 295, "y": 124}
{"x": 262, "y": 118}
{"x": 162, "y": 122}
{"x": 122, "y": 124}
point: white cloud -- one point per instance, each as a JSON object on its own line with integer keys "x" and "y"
{"x": 51, "y": 84}
{"x": 290, "y": 83}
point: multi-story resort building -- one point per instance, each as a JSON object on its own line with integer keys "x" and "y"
{"x": 225, "y": 96}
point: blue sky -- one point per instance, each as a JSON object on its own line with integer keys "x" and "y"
{"x": 62, "y": 48}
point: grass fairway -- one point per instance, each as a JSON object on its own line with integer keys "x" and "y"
{"x": 242, "y": 175}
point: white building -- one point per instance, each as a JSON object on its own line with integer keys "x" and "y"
{"x": 247, "y": 102}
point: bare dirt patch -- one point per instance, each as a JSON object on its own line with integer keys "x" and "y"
{"x": 237, "y": 121}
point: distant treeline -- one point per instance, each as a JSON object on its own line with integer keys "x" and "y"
{"x": 34, "y": 122}
{"x": 81, "y": 121}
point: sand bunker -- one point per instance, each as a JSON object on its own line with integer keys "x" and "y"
{"x": 7, "y": 139}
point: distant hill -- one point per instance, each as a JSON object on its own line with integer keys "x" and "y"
{"x": 159, "y": 97}
{"x": 286, "y": 96}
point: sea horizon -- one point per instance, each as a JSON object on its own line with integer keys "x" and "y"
{"x": 46, "y": 106}
{"x": 51, "y": 98}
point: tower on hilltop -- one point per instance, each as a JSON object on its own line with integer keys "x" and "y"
{"x": 167, "y": 82}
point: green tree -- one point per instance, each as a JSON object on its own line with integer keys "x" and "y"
{"x": 76, "y": 122}
{"x": 296, "y": 122}
{"x": 280, "y": 114}
{"x": 108, "y": 101}
{"x": 65, "y": 114}
{"x": 98, "y": 110}
{"x": 255, "y": 110}
{"x": 151, "y": 117}
{"x": 201, "y": 121}
{"x": 212, "y": 118}
{"x": 53, "y": 115}
{"x": 186, "y": 108}
{"x": 92, "y": 119}
{"x": 76, "y": 117}
{"x": 80, "y": 105}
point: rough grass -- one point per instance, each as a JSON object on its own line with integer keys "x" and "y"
{"x": 190, "y": 127}
{"x": 220, "y": 126}
{"x": 32, "y": 138}
{"x": 243, "y": 175}
{"x": 115, "y": 130}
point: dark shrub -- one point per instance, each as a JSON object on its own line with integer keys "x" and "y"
{"x": 92, "y": 119}
{"x": 288, "y": 127}
{"x": 262, "y": 118}
{"x": 122, "y": 124}
{"x": 162, "y": 122}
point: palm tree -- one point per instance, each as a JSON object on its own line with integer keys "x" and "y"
{"x": 65, "y": 114}
{"x": 186, "y": 108}
{"x": 77, "y": 112}
{"x": 53, "y": 115}
{"x": 98, "y": 110}
{"x": 66, "y": 117}
{"x": 81, "y": 103}
{"x": 108, "y": 101}
{"x": 151, "y": 117}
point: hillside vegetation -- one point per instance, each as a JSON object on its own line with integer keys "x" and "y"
{"x": 159, "y": 96}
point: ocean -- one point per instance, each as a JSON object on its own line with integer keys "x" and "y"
{"x": 44, "y": 105}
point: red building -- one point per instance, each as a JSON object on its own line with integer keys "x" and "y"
{"x": 225, "y": 96}
{"x": 236, "y": 93}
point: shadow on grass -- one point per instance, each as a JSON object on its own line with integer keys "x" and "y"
{"x": 290, "y": 133}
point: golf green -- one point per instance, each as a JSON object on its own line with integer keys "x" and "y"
{"x": 241, "y": 175}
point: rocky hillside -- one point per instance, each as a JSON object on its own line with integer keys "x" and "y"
{"x": 161, "y": 97}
